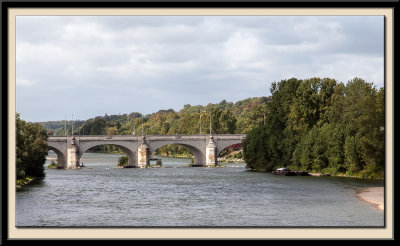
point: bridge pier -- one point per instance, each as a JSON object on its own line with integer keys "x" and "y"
{"x": 73, "y": 155}
{"x": 211, "y": 153}
{"x": 143, "y": 154}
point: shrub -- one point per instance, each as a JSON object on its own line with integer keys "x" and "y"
{"x": 123, "y": 161}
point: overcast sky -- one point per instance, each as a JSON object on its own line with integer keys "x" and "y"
{"x": 91, "y": 65}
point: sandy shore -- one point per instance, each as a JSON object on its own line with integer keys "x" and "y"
{"x": 372, "y": 195}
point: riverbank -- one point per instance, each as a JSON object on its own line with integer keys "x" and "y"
{"x": 24, "y": 181}
{"x": 372, "y": 195}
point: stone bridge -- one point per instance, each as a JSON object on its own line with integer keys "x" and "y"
{"x": 205, "y": 148}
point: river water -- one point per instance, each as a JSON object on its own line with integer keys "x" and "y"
{"x": 179, "y": 196}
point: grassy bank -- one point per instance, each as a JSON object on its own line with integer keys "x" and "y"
{"x": 24, "y": 181}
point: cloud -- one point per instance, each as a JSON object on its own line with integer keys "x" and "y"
{"x": 121, "y": 64}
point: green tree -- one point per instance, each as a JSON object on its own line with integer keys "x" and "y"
{"x": 31, "y": 148}
{"x": 255, "y": 116}
{"x": 96, "y": 126}
{"x": 310, "y": 106}
{"x": 334, "y": 137}
{"x": 112, "y": 130}
{"x": 227, "y": 122}
{"x": 363, "y": 115}
{"x": 351, "y": 151}
{"x": 256, "y": 152}
{"x": 279, "y": 108}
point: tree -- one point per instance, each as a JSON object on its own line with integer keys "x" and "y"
{"x": 311, "y": 104}
{"x": 334, "y": 136}
{"x": 257, "y": 149}
{"x": 363, "y": 115}
{"x": 97, "y": 126}
{"x": 255, "y": 116}
{"x": 351, "y": 152}
{"x": 112, "y": 130}
{"x": 227, "y": 122}
{"x": 31, "y": 148}
{"x": 279, "y": 108}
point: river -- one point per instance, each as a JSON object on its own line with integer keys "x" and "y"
{"x": 179, "y": 196}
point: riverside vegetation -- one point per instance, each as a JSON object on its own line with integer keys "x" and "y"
{"x": 321, "y": 125}
{"x": 316, "y": 124}
{"x": 31, "y": 151}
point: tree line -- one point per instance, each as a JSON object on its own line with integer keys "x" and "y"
{"x": 226, "y": 118}
{"x": 321, "y": 125}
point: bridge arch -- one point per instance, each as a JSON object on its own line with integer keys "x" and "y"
{"x": 132, "y": 159}
{"x": 198, "y": 154}
{"x": 61, "y": 157}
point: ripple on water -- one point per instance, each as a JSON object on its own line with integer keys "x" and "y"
{"x": 102, "y": 195}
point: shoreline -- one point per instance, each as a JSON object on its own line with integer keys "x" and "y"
{"x": 20, "y": 183}
{"x": 372, "y": 195}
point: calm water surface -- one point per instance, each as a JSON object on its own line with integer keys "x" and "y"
{"x": 175, "y": 195}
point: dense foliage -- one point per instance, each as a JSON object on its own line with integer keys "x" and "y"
{"x": 31, "y": 148}
{"x": 321, "y": 125}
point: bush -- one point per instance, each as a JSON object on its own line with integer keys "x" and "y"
{"x": 239, "y": 155}
{"x": 123, "y": 161}
{"x": 53, "y": 164}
